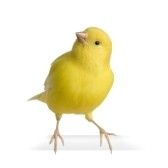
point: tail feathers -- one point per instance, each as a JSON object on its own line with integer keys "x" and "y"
{"x": 40, "y": 97}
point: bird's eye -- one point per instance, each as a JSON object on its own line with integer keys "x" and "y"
{"x": 97, "y": 42}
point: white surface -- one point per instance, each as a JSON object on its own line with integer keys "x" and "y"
{"x": 89, "y": 142}
{"x": 33, "y": 33}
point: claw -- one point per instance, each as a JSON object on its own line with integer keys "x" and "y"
{"x": 112, "y": 134}
{"x": 103, "y": 132}
{"x": 55, "y": 145}
{"x": 51, "y": 140}
{"x": 62, "y": 140}
{"x": 54, "y": 138}
{"x": 101, "y": 136}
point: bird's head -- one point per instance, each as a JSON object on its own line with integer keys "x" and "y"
{"x": 92, "y": 47}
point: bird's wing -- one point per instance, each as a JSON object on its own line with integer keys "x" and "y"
{"x": 49, "y": 80}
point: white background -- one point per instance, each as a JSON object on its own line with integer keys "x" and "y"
{"x": 33, "y": 33}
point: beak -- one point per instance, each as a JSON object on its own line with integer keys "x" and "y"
{"x": 81, "y": 36}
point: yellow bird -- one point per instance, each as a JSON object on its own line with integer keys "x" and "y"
{"x": 79, "y": 80}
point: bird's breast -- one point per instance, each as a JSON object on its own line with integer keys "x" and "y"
{"x": 78, "y": 91}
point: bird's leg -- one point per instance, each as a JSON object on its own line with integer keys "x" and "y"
{"x": 102, "y": 131}
{"x": 56, "y": 135}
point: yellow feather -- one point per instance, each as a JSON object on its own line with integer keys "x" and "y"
{"x": 80, "y": 80}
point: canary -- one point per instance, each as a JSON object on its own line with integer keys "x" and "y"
{"x": 79, "y": 80}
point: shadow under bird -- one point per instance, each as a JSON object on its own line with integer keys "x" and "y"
{"x": 79, "y": 80}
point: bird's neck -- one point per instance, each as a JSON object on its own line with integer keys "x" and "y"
{"x": 90, "y": 63}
